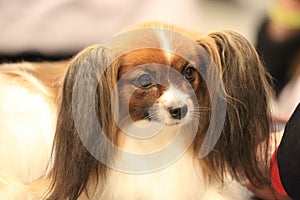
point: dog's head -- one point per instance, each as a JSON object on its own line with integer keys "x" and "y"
{"x": 162, "y": 76}
{"x": 157, "y": 87}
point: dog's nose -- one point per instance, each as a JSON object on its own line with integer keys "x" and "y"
{"x": 178, "y": 112}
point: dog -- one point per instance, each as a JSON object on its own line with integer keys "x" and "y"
{"x": 156, "y": 112}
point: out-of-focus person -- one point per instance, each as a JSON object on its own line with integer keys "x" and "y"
{"x": 278, "y": 42}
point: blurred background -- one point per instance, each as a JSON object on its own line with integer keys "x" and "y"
{"x": 57, "y": 29}
{"x": 62, "y": 26}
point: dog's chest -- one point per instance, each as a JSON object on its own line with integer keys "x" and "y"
{"x": 181, "y": 180}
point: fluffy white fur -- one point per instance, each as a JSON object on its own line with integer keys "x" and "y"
{"x": 27, "y": 122}
{"x": 182, "y": 179}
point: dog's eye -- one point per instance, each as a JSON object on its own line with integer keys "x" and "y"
{"x": 189, "y": 73}
{"x": 145, "y": 81}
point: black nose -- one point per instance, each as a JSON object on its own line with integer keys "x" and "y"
{"x": 178, "y": 112}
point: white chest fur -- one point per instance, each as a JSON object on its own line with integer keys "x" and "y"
{"x": 183, "y": 180}
{"x": 180, "y": 180}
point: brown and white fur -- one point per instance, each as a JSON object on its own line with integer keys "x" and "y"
{"x": 36, "y": 115}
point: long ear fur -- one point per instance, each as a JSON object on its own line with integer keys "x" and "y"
{"x": 247, "y": 123}
{"x": 73, "y": 164}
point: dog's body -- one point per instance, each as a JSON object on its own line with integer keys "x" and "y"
{"x": 28, "y": 113}
{"x": 35, "y": 105}
{"x": 28, "y": 117}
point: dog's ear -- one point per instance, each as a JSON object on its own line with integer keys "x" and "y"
{"x": 84, "y": 120}
{"x": 248, "y": 93}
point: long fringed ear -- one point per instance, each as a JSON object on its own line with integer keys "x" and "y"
{"x": 247, "y": 123}
{"x": 86, "y": 93}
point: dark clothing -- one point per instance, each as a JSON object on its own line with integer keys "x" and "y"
{"x": 287, "y": 160}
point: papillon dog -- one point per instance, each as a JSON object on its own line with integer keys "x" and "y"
{"x": 154, "y": 113}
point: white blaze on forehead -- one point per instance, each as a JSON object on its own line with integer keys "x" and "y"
{"x": 165, "y": 45}
{"x": 168, "y": 96}
{"x": 173, "y": 96}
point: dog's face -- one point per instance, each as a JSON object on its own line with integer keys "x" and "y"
{"x": 167, "y": 81}
{"x": 159, "y": 87}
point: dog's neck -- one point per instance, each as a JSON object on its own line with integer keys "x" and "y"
{"x": 182, "y": 179}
